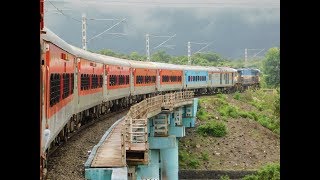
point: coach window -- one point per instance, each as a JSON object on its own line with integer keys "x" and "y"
{"x": 66, "y": 85}
{"x": 72, "y": 83}
{"x": 146, "y": 79}
{"x": 92, "y": 81}
{"x": 88, "y": 81}
{"x": 127, "y": 79}
{"x": 110, "y": 80}
{"x": 54, "y": 88}
{"x": 82, "y": 82}
{"x": 116, "y": 80}
{"x": 138, "y": 80}
{"x": 120, "y": 79}
{"x": 100, "y": 81}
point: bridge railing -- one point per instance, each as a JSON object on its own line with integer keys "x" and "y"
{"x": 135, "y": 129}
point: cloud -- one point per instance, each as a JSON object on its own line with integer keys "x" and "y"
{"x": 227, "y": 22}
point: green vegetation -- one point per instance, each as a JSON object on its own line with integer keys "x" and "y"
{"x": 268, "y": 172}
{"x": 224, "y": 177}
{"x": 201, "y": 59}
{"x": 188, "y": 160}
{"x": 276, "y": 105}
{"x": 205, "y": 156}
{"x": 263, "y": 101}
{"x": 215, "y": 115}
{"x": 213, "y": 128}
{"x": 271, "y": 67}
{"x": 202, "y": 114}
{"x": 236, "y": 96}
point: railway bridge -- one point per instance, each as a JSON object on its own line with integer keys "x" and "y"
{"x": 144, "y": 143}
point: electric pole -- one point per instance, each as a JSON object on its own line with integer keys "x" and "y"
{"x": 189, "y": 49}
{"x": 147, "y": 47}
{"x": 84, "y": 29}
{"x": 189, "y": 53}
{"x": 84, "y": 32}
{"x": 160, "y": 45}
{"x": 246, "y": 54}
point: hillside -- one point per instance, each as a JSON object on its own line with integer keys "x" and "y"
{"x": 247, "y": 128}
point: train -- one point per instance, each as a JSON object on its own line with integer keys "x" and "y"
{"x": 77, "y": 85}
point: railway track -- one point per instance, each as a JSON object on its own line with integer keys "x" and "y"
{"x": 90, "y": 123}
{"x": 66, "y": 160}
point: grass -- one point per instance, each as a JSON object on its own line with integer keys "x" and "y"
{"x": 224, "y": 177}
{"x": 265, "y": 103}
{"x": 188, "y": 160}
{"x": 213, "y": 128}
{"x": 268, "y": 172}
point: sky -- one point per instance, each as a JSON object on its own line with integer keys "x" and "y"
{"x": 228, "y": 26}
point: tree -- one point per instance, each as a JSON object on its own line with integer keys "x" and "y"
{"x": 136, "y": 56}
{"x": 161, "y": 56}
{"x": 179, "y": 60}
{"x": 107, "y": 52}
{"x": 271, "y": 67}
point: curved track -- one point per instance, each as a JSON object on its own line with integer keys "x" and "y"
{"x": 67, "y": 162}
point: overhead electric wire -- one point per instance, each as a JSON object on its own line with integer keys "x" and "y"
{"x": 62, "y": 12}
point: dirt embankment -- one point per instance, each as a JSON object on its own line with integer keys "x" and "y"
{"x": 247, "y": 145}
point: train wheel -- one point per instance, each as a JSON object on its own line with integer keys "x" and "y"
{"x": 66, "y": 132}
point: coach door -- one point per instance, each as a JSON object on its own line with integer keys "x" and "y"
{"x": 232, "y": 74}
{"x": 76, "y": 75}
{"x": 158, "y": 80}
{"x": 105, "y": 82}
{"x": 131, "y": 81}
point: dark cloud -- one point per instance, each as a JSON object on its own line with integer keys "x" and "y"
{"x": 230, "y": 29}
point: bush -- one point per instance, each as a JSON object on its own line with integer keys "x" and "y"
{"x": 202, "y": 114}
{"x": 268, "y": 172}
{"x": 213, "y": 128}
{"x": 245, "y": 114}
{"x": 229, "y": 111}
{"x": 276, "y": 104}
{"x": 224, "y": 177}
{"x": 205, "y": 156}
{"x": 221, "y": 96}
{"x": 194, "y": 163}
{"x": 236, "y": 96}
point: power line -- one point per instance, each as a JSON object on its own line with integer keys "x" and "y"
{"x": 62, "y": 12}
{"x": 189, "y": 49}
{"x": 106, "y": 30}
{"x": 190, "y": 4}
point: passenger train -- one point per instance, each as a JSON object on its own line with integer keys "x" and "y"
{"x": 77, "y": 85}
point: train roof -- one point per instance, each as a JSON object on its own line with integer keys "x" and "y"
{"x": 53, "y": 38}
{"x": 141, "y": 64}
{"x": 243, "y": 69}
{"x": 195, "y": 68}
{"x": 50, "y": 36}
{"x": 215, "y": 69}
{"x": 227, "y": 69}
{"x": 161, "y": 65}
